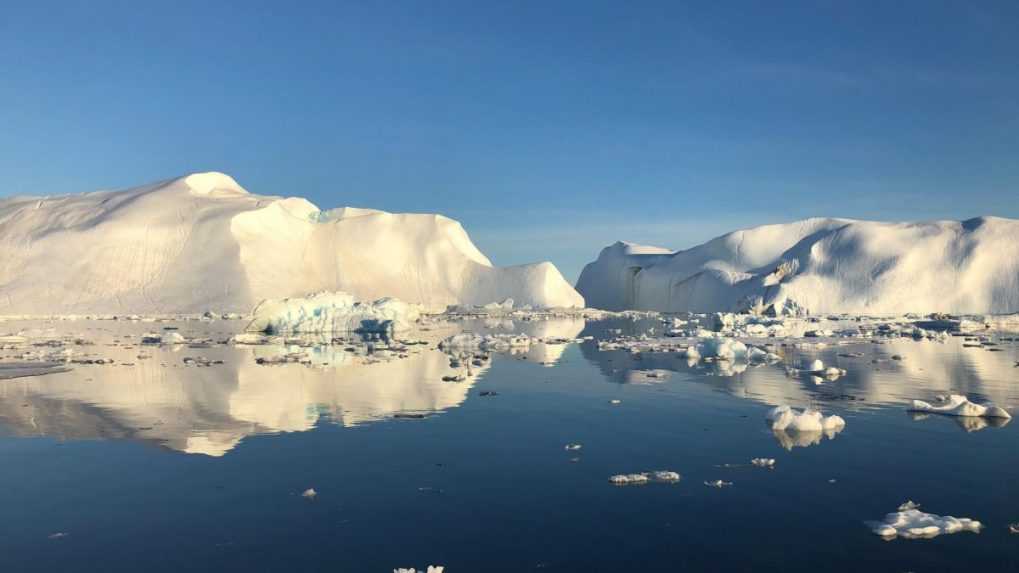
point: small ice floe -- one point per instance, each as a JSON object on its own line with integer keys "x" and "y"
{"x": 309, "y": 493}
{"x": 768, "y": 463}
{"x": 911, "y": 523}
{"x": 719, "y": 484}
{"x": 431, "y": 569}
{"x": 958, "y": 405}
{"x": 661, "y": 476}
{"x": 58, "y": 535}
{"x": 629, "y": 479}
{"x": 573, "y": 447}
{"x": 615, "y": 401}
{"x": 1013, "y": 527}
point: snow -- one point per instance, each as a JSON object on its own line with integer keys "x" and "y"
{"x": 911, "y": 523}
{"x": 202, "y": 242}
{"x": 957, "y": 405}
{"x": 332, "y": 312}
{"x": 820, "y": 266}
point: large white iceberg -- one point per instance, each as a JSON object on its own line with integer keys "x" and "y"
{"x": 202, "y": 242}
{"x": 819, "y": 266}
{"x": 332, "y": 312}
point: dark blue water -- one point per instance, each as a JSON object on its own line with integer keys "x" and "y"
{"x": 486, "y": 485}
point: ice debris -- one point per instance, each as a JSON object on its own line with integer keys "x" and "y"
{"x": 764, "y": 462}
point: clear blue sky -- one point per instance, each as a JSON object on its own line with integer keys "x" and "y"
{"x": 550, "y": 129}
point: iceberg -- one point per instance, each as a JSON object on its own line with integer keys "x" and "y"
{"x": 201, "y": 242}
{"x": 820, "y": 265}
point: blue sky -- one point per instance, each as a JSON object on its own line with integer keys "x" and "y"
{"x": 550, "y": 129}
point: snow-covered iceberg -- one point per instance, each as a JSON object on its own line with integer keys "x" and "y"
{"x": 202, "y": 242}
{"x": 819, "y": 266}
{"x": 332, "y": 312}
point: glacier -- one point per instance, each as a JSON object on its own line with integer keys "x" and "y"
{"x": 203, "y": 242}
{"x": 819, "y": 265}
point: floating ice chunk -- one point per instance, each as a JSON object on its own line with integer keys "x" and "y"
{"x": 249, "y": 338}
{"x": 958, "y": 405}
{"x": 309, "y": 493}
{"x": 573, "y": 447}
{"x": 629, "y": 479}
{"x": 911, "y": 523}
{"x": 722, "y": 349}
{"x": 663, "y": 476}
{"x": 813, "y": 367}
{"x": 786, "y": 419}
{"x": 718, "y": 483}
{"x": 494, "y": 342}
{"x": 332, "y": 312}
{"x": 164, "y": 339}
{"x": 431, "y": 569}
{"x": 764, "y": 462}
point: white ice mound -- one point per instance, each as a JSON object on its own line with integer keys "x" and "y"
{"x": 958, "y": 405}
{"x": 820, "y": 266}
{"x": 202, "y": 242}
{"x": 786, "y": 419}
{"x": 326, "y": 312}
{"x": 911, "y": 523}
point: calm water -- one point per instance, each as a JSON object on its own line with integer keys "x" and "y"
{"x": 152, "y": 465}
